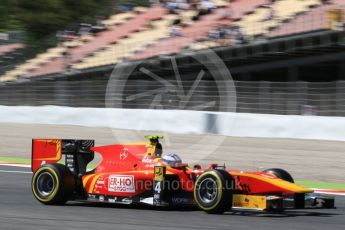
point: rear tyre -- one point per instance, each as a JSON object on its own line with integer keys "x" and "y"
{"x": 53, "y": 184}
{"x": 299, "y": 198}
{"x": 213, "y": 191}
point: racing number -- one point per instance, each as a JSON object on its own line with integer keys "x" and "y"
{"x": 158, "y": 187}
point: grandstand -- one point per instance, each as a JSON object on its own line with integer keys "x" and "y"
{"x": 5, "y": 49}
{"x": 261, "y": 41}
{"x": 311, "y": 20}
{"x": 8, "y": 52}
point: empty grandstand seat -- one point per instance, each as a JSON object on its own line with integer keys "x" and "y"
{"x": 54, "y": 66}
{"x": 242, "y": 7}
{"x": 220, "y": 3}
{"x": 199, "y": 29}
{"x": 35, "y": 62}
{"x": 312, "y": 20}
{"x": 262, "y": 20}
{"x": 118, "y": 18}
{"x": 103, "y": 39}
{"x": 203, "y": 45}
{"x": 115, "y": 33}
{"x": 114, "y": 53}
{"x": 285, "y": 9}
{"x": 186, "y": 16}
{"x": 190, "y": 34}
{"x": 10, "y": 48}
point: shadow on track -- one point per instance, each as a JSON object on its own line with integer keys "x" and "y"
{"x": 282, "y": 214}
{"x": 286, "y": 213}
{"x": 131, "y": 206}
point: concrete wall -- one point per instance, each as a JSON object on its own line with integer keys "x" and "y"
{"x": 183, "y": 121}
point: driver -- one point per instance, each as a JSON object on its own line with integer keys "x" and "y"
{"x": 155, "y": 150}
{"x": 171, "y": 159}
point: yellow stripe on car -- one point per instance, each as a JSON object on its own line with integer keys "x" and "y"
{"x": 86, "y": 179}
{"x": 277, "y": 182}
{"x": 92, "y": 185}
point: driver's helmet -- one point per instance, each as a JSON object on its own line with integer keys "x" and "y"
{"x": 171, "y": 159}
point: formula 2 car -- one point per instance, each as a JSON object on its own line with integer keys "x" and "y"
{"x": 137, "y": 173}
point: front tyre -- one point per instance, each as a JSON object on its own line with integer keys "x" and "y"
{"x": 299, "y": 198}
{"x": 280, "y": 173}
{"x": 213, "y": 191}
{"x": 53, "y": 184}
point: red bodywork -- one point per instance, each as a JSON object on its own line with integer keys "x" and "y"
{"x": 128, "y": 171}
{"x": 129, "y": 161}
{"x": 45, "y": 151}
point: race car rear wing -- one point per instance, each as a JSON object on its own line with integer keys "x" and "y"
{"x": 77, "y": 153}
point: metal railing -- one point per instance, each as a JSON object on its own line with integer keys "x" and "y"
{"x": 299, "y": 98}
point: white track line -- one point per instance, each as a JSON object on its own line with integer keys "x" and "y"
{"x": 8, "y": 171}
{"x": 329, "y": 193}
{"x": 332, "y": 193}
{"x": 15, "y": 165}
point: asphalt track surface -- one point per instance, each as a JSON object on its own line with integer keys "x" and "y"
{"x": 19, "y": 210}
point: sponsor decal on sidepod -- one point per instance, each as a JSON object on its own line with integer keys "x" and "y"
{"x": 121, "y": 183}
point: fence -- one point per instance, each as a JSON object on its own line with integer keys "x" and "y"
{"x": 306, "y": 98}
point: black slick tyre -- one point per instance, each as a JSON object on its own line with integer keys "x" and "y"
{"x": 53, "y": 184}
{"x": 213, "y": 191}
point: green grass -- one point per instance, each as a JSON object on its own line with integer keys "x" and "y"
{"x": 16, "y": 160}
{"x": 310, "y": 184}
{"x": 322, "y": 185}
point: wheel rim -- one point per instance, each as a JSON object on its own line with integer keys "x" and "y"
{"x": 208, "y": 190}
{"x": 45, "y": 184}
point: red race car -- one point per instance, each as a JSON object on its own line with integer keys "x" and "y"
{"x": 138, "y": 173}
